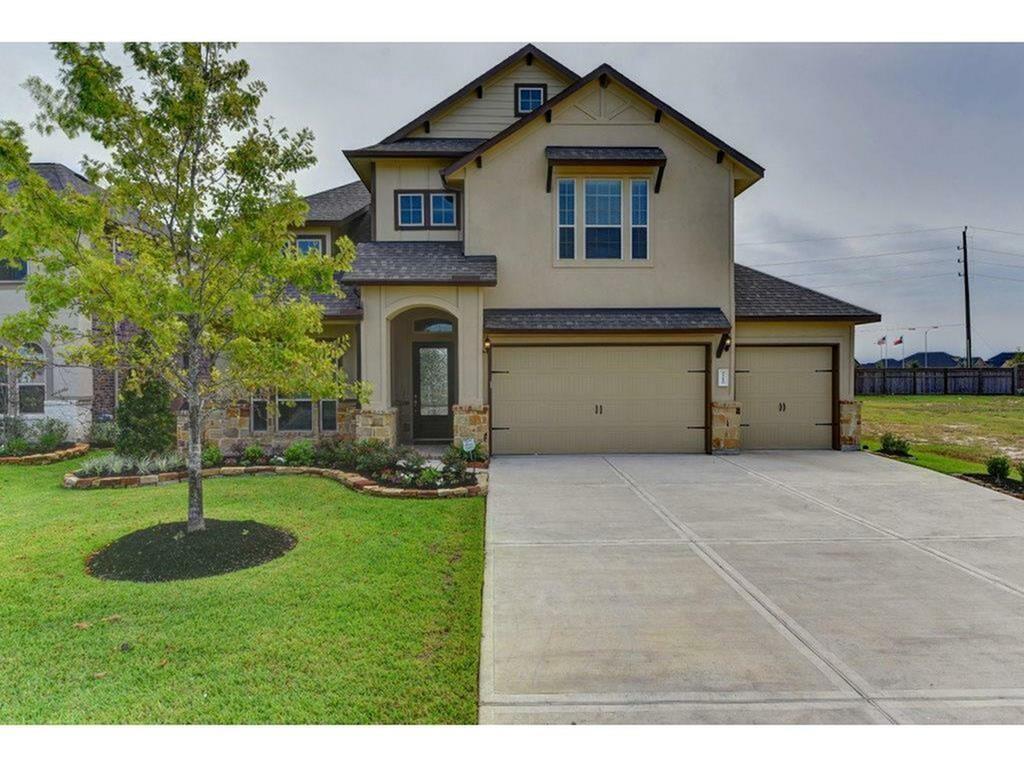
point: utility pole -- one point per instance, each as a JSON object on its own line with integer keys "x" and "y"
{"x": 969, "y": 362}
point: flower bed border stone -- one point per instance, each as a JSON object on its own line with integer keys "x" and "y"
{"x": 350, "y": 480}
{"x": 73, "y": 452}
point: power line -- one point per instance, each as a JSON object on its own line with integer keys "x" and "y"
{"x": 1000, "y": 253}
{"x": 852, "y": 256}
{"x": 999, "y": 231}
{"x": 919, "y": 263}
{"x": 999, "y": 277}
{"x": 844, "y": 237}
{"x": 871, "y": 282}
{"x": 997, "y": 264}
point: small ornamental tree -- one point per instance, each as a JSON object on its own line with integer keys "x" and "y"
{"x": 145, "y": 424}
{"x": 187, "y": 244}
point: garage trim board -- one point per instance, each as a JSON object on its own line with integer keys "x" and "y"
{"x": 687, "y": 404}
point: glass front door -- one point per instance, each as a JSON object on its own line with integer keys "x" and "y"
{"x": 433, "y": 366}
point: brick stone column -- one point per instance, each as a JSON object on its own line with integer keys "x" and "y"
{"x": 471, "y": 421}
{"x": 849, "y": 425}
{"x": 379, "y": 424}
{"x": 725, "y": 428}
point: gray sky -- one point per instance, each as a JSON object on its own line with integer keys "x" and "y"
{"x": 856, "y": 139}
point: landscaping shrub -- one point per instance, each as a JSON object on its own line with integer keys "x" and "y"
{"x": 454, "y": 471}
{"x": 429, "y": 477}
{"x": 895, "y": 445}
{"x": 371, "y": 457}
{"x": 145, "y": 424}
{"x": 998, "y": 468}
{"x": 252, "y": 455}
{"x": 103, "y": 434}
{"x": 299, "y": 454}
{"x": 112, "y": 465}
{"x": 49, "y": 434}
{"x": 1020, "y": 470}
{"x": 212, "y": 456}
{"x": 14, "y": 432}
{"x": 16, "y": 446}
{"x": 477, "y": 455}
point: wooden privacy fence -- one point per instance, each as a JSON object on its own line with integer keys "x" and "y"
{"x": 939, "y": 381}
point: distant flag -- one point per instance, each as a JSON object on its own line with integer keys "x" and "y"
{"x": 898, "y": 341}
{"x": 881, "y": 341}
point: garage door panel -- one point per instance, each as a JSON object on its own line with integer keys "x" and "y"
{"x": 597, "y": 399}
{"x": 785, "y": 395}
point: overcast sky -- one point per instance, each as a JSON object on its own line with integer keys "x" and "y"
{"x": 856, "y": 139}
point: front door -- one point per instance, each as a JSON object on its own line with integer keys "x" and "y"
{"x": 433, "y": 384}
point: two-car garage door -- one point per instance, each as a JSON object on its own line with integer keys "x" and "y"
{"x": 786, "y": 396}
{"x": 598, "y": 399}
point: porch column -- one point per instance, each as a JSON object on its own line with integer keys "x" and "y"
{"x": 470, "y": 415}
{"x": 377, "y": 419}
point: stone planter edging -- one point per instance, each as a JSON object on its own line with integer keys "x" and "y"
{"x": 348, "y": 479}
{"x": 76, "y": 450}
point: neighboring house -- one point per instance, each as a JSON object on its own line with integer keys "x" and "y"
{"x": 545, "y": 265}
{"x": 51, "y": 388}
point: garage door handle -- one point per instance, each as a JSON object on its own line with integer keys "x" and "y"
{"x": 598, "y": 409}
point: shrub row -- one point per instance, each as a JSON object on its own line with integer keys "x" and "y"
{"x": 21, "y": 437}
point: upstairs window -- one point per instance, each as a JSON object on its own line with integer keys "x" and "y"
{"x": 603, "y": 219}
{"x": 638, "y": 221}
{"x": 307, "y": 244}
{"x": 567, "y": 219}
{"x": 442, "y": 209}
{"x": 410, "y": 209}
{"x": 530, "y": 97}
{"x": 13, "y": 272}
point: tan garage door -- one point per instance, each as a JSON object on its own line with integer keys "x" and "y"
{"x": 598, "y": 399}
{"x": 785, "y": 396}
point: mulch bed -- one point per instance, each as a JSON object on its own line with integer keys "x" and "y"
{"x": 1009, "y": 486}
{"x": 166, "y": 552}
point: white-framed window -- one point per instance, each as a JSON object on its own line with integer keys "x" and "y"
{"x": 306, "y": 244}
{"x": 603, "y": 219}
{"x": 32, "y": 381}
{"x": 567, "y": 218}
{"x": 530, "y": 97}
{"x": 258, "y": 419}
{"x": 294, "y": 413}
{"x": 328, "y": 415}
{"x": 638, "y": 205}
{"x": 442, "y": 209}
{"x": 410, "y": 209}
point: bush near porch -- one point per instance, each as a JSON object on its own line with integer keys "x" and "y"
{"x": 373, "y": 617}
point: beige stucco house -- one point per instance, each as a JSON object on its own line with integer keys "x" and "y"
{"x": 545, "y": 263}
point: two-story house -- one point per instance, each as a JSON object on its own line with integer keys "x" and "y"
{"x": 546, "y": 265}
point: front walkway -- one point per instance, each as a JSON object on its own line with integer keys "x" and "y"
{"x": 767, "y": 587}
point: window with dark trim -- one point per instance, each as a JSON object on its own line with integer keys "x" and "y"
{"x": 258, "y": 415}
{"x": 32, "y": 381}
{"x": 328, "y": 415}
{"x": 13, "y": 272}
{"x": 306, "y": 244}
{"x": 409, "y": 209}
{"x": 529, "y": 97}
{"x": 433, "y": 325}
{"x": 295, "y": 414}
{"x": 566, "y": 218}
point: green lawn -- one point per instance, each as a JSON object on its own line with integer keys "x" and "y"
{"x": 373, "y": 617}
{"x": 948, "y": 433}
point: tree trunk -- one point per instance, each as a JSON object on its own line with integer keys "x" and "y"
{"x": 196, "y": 522}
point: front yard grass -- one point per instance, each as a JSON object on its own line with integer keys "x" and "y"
{"x": 374, "y": 616}
{"x": 953, "y": 434}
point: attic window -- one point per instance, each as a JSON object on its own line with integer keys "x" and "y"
{"x": 306, "y": 244}
{"x": 529, "y": 97}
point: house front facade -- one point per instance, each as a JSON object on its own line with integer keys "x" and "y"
{"x": 545, "y": 264}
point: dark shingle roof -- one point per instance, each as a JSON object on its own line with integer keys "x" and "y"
{"x": 60, "y": 177}
{"x": 420, "y": 262}
{"x": 622, "y": 319}
{"x": 349, "y": 305}
{"x": 606, "y": 154}
{"x": 420, "y": 147}
{"x": 338, "y": 203}
{"x": 762, "y": 296}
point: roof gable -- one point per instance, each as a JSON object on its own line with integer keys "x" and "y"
{"x": 603, "y": 75}
{"x": 528, "y": 53}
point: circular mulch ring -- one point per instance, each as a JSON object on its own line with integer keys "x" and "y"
{"x": 166, "y": 552}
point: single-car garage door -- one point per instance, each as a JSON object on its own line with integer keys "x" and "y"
{"x": 785, "y": 396}
{"x": 598, "y": 399}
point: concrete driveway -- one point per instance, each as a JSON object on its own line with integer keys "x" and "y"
{"x": 784, "y": 587}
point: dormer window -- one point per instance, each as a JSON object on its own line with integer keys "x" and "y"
{"x": 529, "y": 97}
{"x": 426, "y": 209}
{"x": 442, "y": 209}
{"x": 12, "y": 272}
{"x": 410, "y": 209}
{"x": 307, "y": 244}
